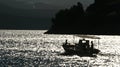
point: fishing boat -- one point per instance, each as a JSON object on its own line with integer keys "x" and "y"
{"x": 82, "y": 48}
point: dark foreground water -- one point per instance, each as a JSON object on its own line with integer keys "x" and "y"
{"x": 32, "y": 48}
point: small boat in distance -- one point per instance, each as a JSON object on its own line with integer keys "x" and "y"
{"x": 82, "y": 48}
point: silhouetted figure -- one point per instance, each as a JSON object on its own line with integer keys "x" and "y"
{"x": 92, "y": 45}
{"x": 66, "y": 42}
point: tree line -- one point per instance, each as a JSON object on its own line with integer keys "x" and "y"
{"x": 98, "y": 18}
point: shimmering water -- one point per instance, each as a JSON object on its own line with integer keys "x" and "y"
{"x": 32, "y": 48}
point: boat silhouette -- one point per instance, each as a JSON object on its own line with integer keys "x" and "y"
{"x": 82, "y": 48}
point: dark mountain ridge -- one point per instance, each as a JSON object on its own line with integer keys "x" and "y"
{"x": 102, "y": 17}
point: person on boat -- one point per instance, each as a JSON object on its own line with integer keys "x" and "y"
{"x": 92, "y": 45}
{"x": 66, "y": 42}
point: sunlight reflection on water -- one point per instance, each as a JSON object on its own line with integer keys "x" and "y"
{"x": 33, "y": 48}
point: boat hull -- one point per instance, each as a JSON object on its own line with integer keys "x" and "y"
{"x": 81, "y": 52}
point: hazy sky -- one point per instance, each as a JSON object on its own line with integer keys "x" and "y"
{"x": 34, "y": 8}
{"x": 67, "y": 2}
{"x": 62, "y": 3}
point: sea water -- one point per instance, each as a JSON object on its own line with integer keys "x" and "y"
{"x": 33, "y": 48}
